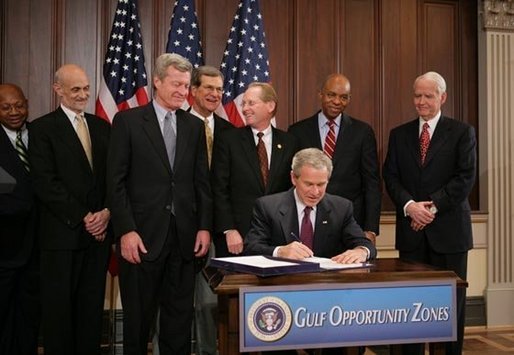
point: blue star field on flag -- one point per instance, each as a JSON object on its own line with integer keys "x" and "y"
{"x": 184, "y": 35}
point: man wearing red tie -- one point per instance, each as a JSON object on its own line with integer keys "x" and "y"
{"x": 248, "y": 163}
{"x": 429, "y": 173}
{"x": 351, "y": 145}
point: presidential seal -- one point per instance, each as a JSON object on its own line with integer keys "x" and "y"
{"x": 269, "y": 319}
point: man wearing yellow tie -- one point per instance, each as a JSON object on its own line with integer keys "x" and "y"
{"x": 207, "y": 89}
{"x": 67, "y": 155}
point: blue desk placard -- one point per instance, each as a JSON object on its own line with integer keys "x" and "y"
{"x": 333, "y": 315}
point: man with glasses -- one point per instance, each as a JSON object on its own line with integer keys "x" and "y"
{"x": 351, "y": 145}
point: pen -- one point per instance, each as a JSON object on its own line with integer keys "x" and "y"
{"x": 295, "y": 237}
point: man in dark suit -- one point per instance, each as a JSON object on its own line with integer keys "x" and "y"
{"x": 68, "y": 154}
{"x": 158, "y": 183}
{"x": 248, "y": 163}
{"x": 352, "y": 146}
{"x": 305, "y": 221}
{"x": 19, "y": 251}
{"x": 207, "y": 90}
{"x": 429, "y": 173}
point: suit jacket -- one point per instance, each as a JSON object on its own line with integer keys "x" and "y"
{"x": 220, "y": 125}
{"x": 237, "y": 181}
{"x": 144, "y": 190}
{"x": 356, "y": 171}
{"x": 64, "y": 182}
{"x": 275, "y": 218}
{"x": 446, "y": 178}
{"x": 18, "y": 215}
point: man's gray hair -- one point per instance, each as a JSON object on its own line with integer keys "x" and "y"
{"x": 205, "y": 70}
{"x": 312, "y": 157}
{"x": 434, "y": 77}
{"x": 166, "y": 60}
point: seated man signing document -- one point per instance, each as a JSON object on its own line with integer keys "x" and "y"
{"x": 305, "y": 221}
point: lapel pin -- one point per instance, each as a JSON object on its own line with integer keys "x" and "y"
{"x": 279, "y": 146}
{"x": 324, "y": 222}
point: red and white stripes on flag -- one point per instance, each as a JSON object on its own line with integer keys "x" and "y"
{"x": 124, "y": 82}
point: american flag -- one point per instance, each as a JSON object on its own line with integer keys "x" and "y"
{"x": 124, "y": 83}
{"x": 184, "y": 37}
{"x": 245, "y": 59}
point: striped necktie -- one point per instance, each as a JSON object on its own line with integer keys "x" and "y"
{"x": 330, "y": 140}
{"x": 21, "y": 149}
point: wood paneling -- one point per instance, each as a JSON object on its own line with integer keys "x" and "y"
{"x": 380, "y": 45}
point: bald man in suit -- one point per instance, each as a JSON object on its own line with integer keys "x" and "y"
{"x": 68, "y": 155}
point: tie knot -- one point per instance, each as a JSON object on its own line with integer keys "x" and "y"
{"x": 331, "y": 123}
{"x": 260, "y": 134}
{"x": 307, "y": 210}
{"x": 426, "y": 125}
{"x": 18, "y": 134}
{"x": 79, "y": 117}
{"x": 169, "y": 115}
{"x": 206, "y": 121}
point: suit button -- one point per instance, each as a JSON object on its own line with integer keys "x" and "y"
{"x": 168, "y": 207}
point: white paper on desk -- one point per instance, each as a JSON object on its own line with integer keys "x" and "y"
{"x": 329, "y": 264}
{"x": 257, "y": 260}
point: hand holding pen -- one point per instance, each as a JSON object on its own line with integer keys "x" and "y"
{"x": 295, "y": 250}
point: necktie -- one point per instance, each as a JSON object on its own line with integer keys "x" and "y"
{"x": 170, "y": 138}
{"x": 84, "y": 138}
{"x": 424, "y": 142}
{"x": 263, "y": 159}
{"x": 21, "y": 149}
{"x": 209, "y": 140}
{"x": 330, "y": 140}
{"x": 306, "y": 231}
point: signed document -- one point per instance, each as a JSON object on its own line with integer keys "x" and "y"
{"x": 329, "y": 264}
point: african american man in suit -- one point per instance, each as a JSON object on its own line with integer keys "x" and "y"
{"x": 19, "y": 250}
{"x": 352, "y": 146}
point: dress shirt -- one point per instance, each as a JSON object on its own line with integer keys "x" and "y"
{"x": 267, "y": 139}
{"x": 161, "y": 116}
{"x": 209, "y": 118}
{"x": 12, "y": 135}
{"x": 71, "y": 116}
{"x": 324, "y": 128}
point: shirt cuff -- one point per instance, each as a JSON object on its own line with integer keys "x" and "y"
{"x": 275, "y": 252}
{"x": 405, "y": 207}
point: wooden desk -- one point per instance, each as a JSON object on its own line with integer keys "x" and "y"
{"x": 226, "y": 285}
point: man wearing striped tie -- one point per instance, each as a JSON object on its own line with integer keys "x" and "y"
{"x": 19, "y": 254}
{"x": 351, "y": 145}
